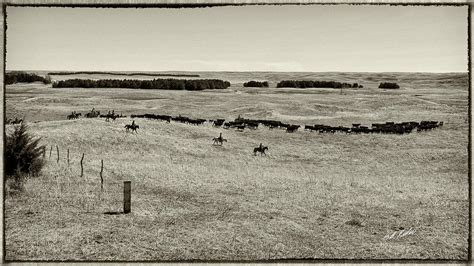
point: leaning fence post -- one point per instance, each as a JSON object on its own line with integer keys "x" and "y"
{"x": 44, "y": 152}
{"x": 67, "y": 156}
{"x": 57, "y": 149}
{"x": 50, "y": 151}
{"x": 82, "y": 168}
{"x": 101, "y": 178}
{"x": 127, "y": 195}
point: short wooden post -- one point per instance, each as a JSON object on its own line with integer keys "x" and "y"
{"x": 50, "y": 151}
{"x": 67, "y": 156}
{"x": 101, "y": 178}
{"x": 44, "y": 152}
{"x": 82, "y": 168}
{"x": 57, "y": 149}
{"x": 127, "y": 196}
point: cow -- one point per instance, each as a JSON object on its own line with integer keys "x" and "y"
{"x": 292, "y": 128}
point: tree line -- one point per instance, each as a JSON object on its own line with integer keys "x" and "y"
{"x": 388, "y": 85}
{"x": 155, "y": 84}
{"x": 254, "y": 83}
{"x": 315, "y": 84}
{"x": 120, "y": 74}
{"x": 15, "y": 77}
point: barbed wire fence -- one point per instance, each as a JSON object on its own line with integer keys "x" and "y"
{"x": 112, "y": 192}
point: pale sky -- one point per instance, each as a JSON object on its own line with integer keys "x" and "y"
{"x": 316, "y": 38}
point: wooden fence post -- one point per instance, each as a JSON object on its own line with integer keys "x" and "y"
{"x": 127, "y": 196}
{"x": 82, "y": 168}
{"x": 50, "y": 151}
{"x": 101, "y": 178}
{"x": 68, "y": 157}
{"x": 44, "y": 152}
{"x": 57, "y": 149}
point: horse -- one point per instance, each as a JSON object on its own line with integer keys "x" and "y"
{"x": 111, "y": 116}
{"x": 219, "y": 139}
{"x": 73, "y": 115}
{"x": 93, "y": 114}
{"x": 260, "y": 149}
{"x": 133, "y": 127}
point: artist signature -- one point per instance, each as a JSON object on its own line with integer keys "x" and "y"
{"x": 400, "y": 233}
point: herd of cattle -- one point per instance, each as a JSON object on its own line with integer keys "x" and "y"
{"x": 242, "y": 123}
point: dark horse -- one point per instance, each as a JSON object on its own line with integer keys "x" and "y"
{"x": 219, "y": 139}
{"x": 74, "y": 115}
{"x": 112, "y": 116}
{"x": 133, "y": 127}
{"x": 260, "y": 149}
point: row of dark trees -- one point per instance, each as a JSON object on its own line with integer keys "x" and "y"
{"x": 388, "y": 85}
{"x": 15, "y": 77}
{"x": 120, "y": 74}
{"x": 254, "y": 83}
{"x": 315, "y": 84}
{"x": 157, "y": 84}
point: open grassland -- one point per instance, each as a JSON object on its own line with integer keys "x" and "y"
{"x": 194, "y": 200}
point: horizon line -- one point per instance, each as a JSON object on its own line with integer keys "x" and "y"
{"x": 242, "y": 71}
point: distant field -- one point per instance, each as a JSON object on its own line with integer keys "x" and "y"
{"x": 194, "y": 200}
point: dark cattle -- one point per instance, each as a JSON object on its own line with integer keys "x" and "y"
{"x": 196, "y": 122}
{"x": 292, "y": 128}
{"x": 252, "y": 125}
{"x": 218, "y": 122}
{"x": 308, "y": 127}
{"x": 166, "y": 118}
{"x": 240, "y": 127}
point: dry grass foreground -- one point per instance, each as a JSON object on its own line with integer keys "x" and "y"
{"x": 314, "y": 196}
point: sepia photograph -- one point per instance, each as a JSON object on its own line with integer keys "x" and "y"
{"x": 236, "y": 133}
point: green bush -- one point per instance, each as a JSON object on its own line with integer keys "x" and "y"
{"x": 23, "y": 155}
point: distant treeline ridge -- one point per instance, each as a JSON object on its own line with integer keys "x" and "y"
{"x": 315, "y": 84}
{"x": 15, "y": 77}
{"x": 121, "y": 74}
{"x": 156, "y": 84}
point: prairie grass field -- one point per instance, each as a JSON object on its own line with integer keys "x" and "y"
{"x": 314, "y": 196}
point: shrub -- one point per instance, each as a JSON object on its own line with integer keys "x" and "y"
{"x": 23, "y": 155}
{"x": 388, "y": 85}
{"x": 15, "y": 77}
{"x": 253, "y": 83}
